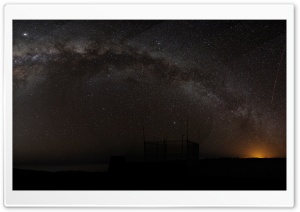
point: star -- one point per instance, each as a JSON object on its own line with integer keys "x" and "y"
{"x": 106, "y": 78}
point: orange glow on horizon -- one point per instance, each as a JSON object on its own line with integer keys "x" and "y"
{"x": 258, "y": 155}
{"x": 261, "y": 152}
{"x": 260, "y": 149}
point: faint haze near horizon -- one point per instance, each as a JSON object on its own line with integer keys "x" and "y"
{"x": 83, "y": 90}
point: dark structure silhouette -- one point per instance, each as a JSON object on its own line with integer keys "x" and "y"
{"x": 167, "y": 165}
{"x": 166, "y": 150}
{"x": 170, "y": 150}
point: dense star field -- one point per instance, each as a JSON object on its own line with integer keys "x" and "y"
{"x": 82, "y": 90}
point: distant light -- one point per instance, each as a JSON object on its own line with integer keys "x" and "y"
{"x": 25, "y": 34}
{"x": 258, "y": 155}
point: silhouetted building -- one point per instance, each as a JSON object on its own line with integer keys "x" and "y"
{"x": 170, "y": 150}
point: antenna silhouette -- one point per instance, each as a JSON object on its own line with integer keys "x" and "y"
{"x": 187, "y": 129}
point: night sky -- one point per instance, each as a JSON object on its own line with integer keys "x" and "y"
{"x": 83, "y": 89}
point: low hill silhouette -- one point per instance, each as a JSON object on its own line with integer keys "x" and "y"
{"x": 203, "y": 174}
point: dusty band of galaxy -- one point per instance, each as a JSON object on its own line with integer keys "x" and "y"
{"x": 85, "y": 90}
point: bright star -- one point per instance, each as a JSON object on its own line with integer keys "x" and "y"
{"x": 25, "y": 34}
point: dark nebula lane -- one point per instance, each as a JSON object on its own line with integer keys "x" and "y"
{"x": 82, "y": 90}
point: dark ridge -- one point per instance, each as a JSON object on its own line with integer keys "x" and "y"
{"x": 204, "y": 174}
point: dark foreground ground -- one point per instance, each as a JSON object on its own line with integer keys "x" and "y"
{"x": 206, "y": 174}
